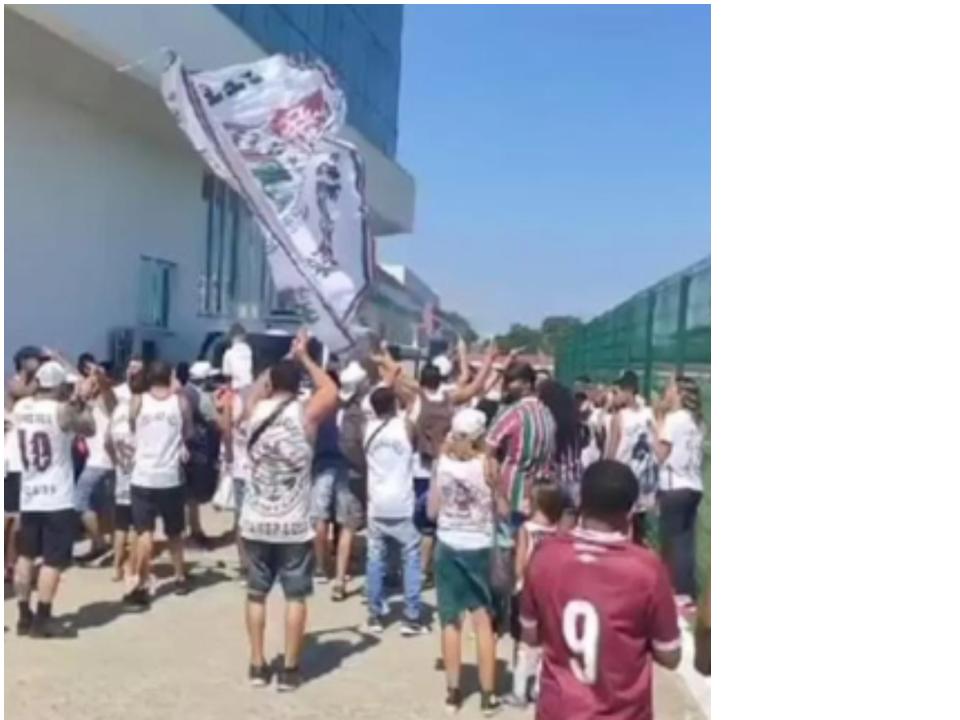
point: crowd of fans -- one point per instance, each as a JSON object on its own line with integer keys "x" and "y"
{"x": 525, "y": 502}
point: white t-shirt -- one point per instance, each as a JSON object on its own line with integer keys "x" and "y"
{"x": 276, "y": 499}
{"x": 46, "y": 481}
{"x": 96, "y": 444}
{"x": 634, "y": 423}
{"x": 159, "y": 443}
{"x": 389, "y": 468}
{"x": 238, "y": 364}
{"x": 124, "y": 448}
{"x": 682, "y": 469}
{"x": 465, "y": 520}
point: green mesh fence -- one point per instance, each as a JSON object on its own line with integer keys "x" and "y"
{"x": 658, "y": 332}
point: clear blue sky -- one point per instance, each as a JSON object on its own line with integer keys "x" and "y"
{"x": 561, "y": 154}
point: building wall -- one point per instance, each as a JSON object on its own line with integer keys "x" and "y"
{"x": 85, "y": 199}
{"x": 360, "y": 42}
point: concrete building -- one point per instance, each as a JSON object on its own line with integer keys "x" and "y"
{"x": 116, "y": 237}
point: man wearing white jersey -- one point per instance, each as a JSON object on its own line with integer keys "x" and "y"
{"x": 46, "y": 425}
{"x": 160, "y": 420}
{"x": 630, "y": 440}
{"x": 275, "y": 518}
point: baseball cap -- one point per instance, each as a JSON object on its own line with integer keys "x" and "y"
{"x": 351, "y": 380}
{"x": 51, "y": 375}
{"x": 469, "y": 423}
{"x": 443, "y": 364}
{"x": 200, "y": 370}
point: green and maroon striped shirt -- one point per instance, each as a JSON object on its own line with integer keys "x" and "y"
{"x": 523, "y": 437}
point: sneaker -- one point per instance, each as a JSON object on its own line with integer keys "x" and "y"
{"x": 288, "y": 679}
{"x": 48, "y": 628}
{"x": 411, "y": 629}
{"x": 374, "y": 625}
{"x": 320, "y": 578}
{"x": 137, "y": 599}
{"x": 259, "y": 676}
{"x": 454, "y": 700}
{"x": 489, "y": 704}
{"x": 515, "y": 701}
{"x": 181, "y": 586}
{"x": 24, "y": 624}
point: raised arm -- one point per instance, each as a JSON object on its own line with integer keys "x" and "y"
{"x": 391, "y": 373}
{"x": 76, "y": 415}
{"x": 323, "y": 403}
{"x": 465, "y": 393}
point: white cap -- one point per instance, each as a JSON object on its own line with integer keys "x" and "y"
{"x": 50, "y": 375}
{"x": 443, "y": 364}
{"x": 469, "y": 423}
{"x": 351, "y": 380}
{"x": 201, "y": 370}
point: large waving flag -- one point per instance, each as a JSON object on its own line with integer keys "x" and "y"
{"x": 269, "y": 130}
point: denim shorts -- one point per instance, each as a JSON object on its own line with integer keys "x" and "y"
{"x": 333, "y": 499}
{"x": 290, "y": 563}
{"x": 93, "y": 489}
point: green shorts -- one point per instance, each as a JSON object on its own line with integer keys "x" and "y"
{"x": 463, "y": 582}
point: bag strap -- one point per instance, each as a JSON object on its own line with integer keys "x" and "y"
{"x": 369, "y": 442}
{"x": 270, "y": 420}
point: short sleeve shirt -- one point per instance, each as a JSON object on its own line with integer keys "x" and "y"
{"x": 599, "y": 605}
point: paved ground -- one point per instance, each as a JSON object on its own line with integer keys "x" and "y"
{"x": 186, "y": 658}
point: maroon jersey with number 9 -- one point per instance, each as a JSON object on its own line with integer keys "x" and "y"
{"x": 598, "y": 605}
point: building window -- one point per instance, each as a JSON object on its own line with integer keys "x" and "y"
{"x": 156, "y": 285}
{"x": 236, "y": 280}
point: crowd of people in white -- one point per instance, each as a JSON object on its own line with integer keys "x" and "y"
{"x": 523, "y": 501}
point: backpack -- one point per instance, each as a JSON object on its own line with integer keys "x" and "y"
{"x": 353, "y": 423}
{"x": 433, "y": 424}
{"x": 204, "y": 443}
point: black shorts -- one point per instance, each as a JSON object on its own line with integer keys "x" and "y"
{"x": 147, "y": 504}
{"x": 122, "y": 517}
{"x": 11, "y": 493}
{"x": 291, "y": 563}
{"x": 48, "y": 535}
{"x": 201, "y": 482}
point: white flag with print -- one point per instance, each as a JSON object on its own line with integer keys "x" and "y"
{"x": 270, "y": 129}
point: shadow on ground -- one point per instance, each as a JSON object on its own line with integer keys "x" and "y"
{"x": 320, "y": 657}
{"x": 100, "y": 613}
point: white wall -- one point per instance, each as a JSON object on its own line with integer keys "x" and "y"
{"x": 85, "y": 198}
{"x": 206, "y": 39}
